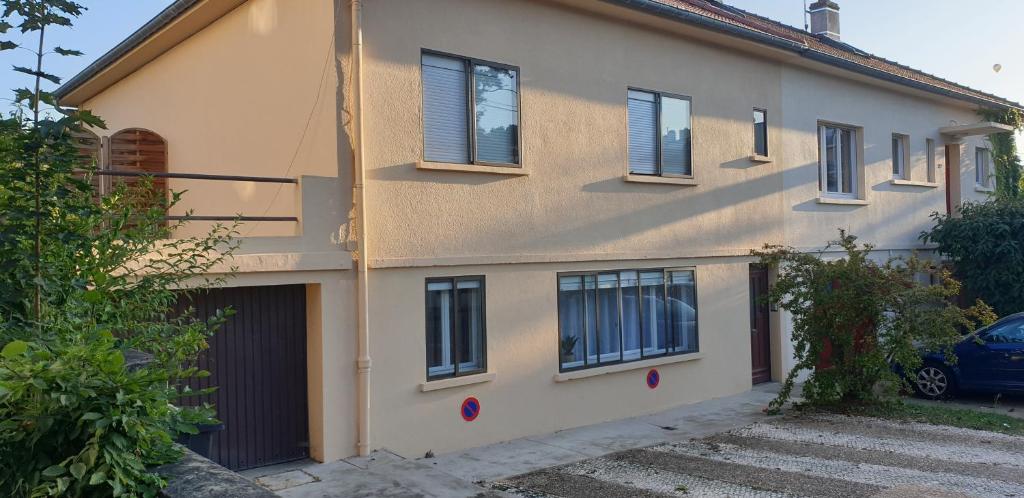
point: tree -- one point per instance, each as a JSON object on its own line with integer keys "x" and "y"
{"x": 83, "y": 279}
{"x": 854, "y": 319}
{"x": 985, "y": 244}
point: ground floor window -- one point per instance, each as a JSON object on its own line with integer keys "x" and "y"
{"x": 625, "y": 315}
{"x": 456, "y": 335}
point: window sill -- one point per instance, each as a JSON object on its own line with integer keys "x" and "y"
{"x": 758, "y": 158}
{"x": 913, "y": 183}
{"x": 987, "y": 190}
{"x": 473, "y": 168}
{"x": 468, "y": 380}
{"x": 664, "y": 180}
{"x": 625, "y": 367}
{"x": 842, "y": 201}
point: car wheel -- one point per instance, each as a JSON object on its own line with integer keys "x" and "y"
{"x": 933, "y": 382}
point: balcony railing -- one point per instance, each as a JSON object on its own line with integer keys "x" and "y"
{"x": 201, "y": 176}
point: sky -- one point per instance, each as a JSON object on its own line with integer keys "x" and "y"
{"x": 956, "y": 40}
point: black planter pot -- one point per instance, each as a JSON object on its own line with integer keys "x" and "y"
{"x": 201, "y": 443}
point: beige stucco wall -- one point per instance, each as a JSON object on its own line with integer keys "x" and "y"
{"x": 895, "y": 214}
{"x": 575, "y": 69}
{"x": 252, "y": 94}
{"x": 522, "y": 347}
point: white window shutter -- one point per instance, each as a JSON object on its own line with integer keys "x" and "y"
{"x": 643, "y": 133}
{"x": 445, "y": 113}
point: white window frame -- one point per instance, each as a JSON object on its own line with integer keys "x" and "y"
{"x": 983, "y": 169}
{"x": 901, "y": 160}
{"x": 855, "y": 187}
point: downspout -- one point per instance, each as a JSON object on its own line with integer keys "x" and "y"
{"x": 359, "y": 196}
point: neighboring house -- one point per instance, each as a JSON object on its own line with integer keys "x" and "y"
{"x": 528, "y": 203}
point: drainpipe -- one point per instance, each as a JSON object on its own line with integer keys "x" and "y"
{"x": 359, "y": 196}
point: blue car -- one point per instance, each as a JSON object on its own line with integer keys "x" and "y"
{"x": 989, "y": 360}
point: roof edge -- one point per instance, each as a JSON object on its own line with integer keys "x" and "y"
{"x": 672, "y": 13}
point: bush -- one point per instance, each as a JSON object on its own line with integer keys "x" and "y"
{"x": 75, "y": 422}
{"x": 854, "y": 319}
{"x": 985, "y": 244}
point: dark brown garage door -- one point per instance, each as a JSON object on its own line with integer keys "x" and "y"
{"x": 257, "y": 361}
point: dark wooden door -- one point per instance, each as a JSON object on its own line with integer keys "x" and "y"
{"x": 760, "y": 327}
{"x": 257, "y": 362}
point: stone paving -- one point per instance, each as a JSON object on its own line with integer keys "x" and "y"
{"x": 723, "y": 447}
{"x": 827, "y": 456}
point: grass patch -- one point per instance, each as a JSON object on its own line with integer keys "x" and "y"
{"x": 938, "y": 415}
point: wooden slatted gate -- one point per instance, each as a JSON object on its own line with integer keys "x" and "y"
{"x": 257, "y": 362}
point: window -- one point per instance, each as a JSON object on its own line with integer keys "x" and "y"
{"x": 626, "y": 315}
{"x": 838, "y": 161}
{"x": 470, "y": 111}
{"x": 982, "y": 167}
{"x": 899, "y": 157}
{"x": 1009, "y": 332}
{"x": 659, "y": 134}
{"x": 456, "y": 336}
{"x": 930, "y": 145}
{"x": 761, "y": 132}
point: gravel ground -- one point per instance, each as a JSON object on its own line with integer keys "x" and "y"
{"x": 828, "y": 456}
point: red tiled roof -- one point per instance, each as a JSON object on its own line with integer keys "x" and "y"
{"x": 720, "y": 12}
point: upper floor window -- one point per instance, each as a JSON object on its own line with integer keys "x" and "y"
{"x": 837, "y": 157}
{"x": 899, "y": 157}
{"x": 470, "y": 111}
{"x": 761, "y": 132}
{"x": 617, "y": 316}
{"x": 930, "y": 145}
{"x": 456, "y": 335}
{"x": 659, "y": 134}
{"x": 983, "y": 167}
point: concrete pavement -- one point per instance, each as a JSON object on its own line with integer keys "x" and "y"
{"x": 461, "y": 474}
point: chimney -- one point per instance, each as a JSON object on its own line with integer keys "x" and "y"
{"x": 825, "y": 18}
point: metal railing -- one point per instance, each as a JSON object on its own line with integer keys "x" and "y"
{"x": 201, "y": 176}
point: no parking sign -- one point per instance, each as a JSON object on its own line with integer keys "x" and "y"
{"x": 470, "y": 409}
{"x": 653, "y": 378}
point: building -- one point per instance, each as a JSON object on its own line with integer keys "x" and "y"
{"x": 471, "y": 221}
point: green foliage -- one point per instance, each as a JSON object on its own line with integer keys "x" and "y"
{"x": 985, "y": 244}
{"x": 854, "y": 318}
{"x": 84, "y": 278}
{"x": 1004, "y": 152}
{"x": 75, "y": 422}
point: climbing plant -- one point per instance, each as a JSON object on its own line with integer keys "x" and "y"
{"x": 1004, "y": 152}
{"x": 854, "y": 319}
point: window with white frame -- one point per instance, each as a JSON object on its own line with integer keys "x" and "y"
{"x": 899, "y": 157}
{"x": 456, "y": 328}
{"x": 837, "y": 158}
{"x": 470, "y": 111}
{"x": 625, "y": 315}
{"x": 982, "y": 167}
{"x": 659, "y": 134}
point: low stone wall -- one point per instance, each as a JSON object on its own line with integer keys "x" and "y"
{"x": 198, "y": 477}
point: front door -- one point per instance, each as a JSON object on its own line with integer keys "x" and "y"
{"x": 760, "y": 326}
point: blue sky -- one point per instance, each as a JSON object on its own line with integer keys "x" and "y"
{"x": 956, "y": 40}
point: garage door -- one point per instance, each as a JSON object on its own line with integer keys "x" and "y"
{"x": 257, "y": 361}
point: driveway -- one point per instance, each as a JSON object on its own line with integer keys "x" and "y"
{"x": 723, "y": 447}
{"x": 826, "y": 456}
